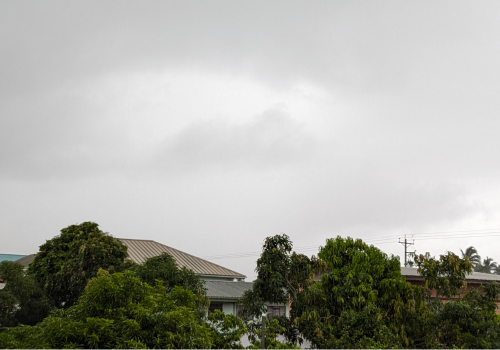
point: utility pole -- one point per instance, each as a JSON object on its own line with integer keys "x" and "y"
{"x": 263, "y": 337}
{"x": 406, "y": 244}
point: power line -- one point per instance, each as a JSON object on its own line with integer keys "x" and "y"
{"x": 380, "y": 240}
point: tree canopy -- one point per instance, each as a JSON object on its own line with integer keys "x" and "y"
{"x": 22, "y": 301}
{"x": 66, "y": 263}
{"x": 164, "y": 268}
{"x": 118, "y": 311}
{"x": 362, "y": 301}
{"x": 281, "y": 277}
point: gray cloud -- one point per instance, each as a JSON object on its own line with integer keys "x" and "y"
{"x": 269, "y": 140}
{"x": 396, "y": 129}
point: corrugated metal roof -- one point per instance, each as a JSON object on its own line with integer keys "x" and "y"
{"x": 139, "y": 250}
{"x": 10, "y": 257}
{"x": 26, "y": 260}
{"x": 226, "y": 289}
{"x": 411, "y": 271}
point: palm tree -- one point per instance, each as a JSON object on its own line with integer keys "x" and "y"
{"x": 487, "y": 265}
{"x": 497, "y": 270}
{"x": 474, "y": 257}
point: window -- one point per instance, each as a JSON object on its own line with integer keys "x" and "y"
{"x": 214, "y": 306}
{"x": 276, "y": 310}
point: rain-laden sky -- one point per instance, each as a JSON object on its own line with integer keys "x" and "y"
{"x": 210, "y": 125}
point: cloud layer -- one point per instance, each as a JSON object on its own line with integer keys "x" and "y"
{"x": 209, "y": 126}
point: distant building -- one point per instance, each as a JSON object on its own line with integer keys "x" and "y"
{"x": 224, "y": 286}
{"x": 473, "y": 280}
{"x": 224, "y": 296}
{"x": 139, "y": 250}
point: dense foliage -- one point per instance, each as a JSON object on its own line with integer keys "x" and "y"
{"x": 22, "y": 301}
{"x": 363, "y": 301}
{"x": 164, "y": 268}
{"x": 274, "y": 329}
{"x": 226, "y": 330}
{"x": 118, "y": 311}
{"x": 351, "y": 296}
{"x": 467, "y": 322}
{"x": 281, "y": 277}
{"x": 445, "y": 276}
{"x": 65, "y": 264}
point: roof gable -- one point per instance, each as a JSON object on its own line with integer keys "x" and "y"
{"x": 139, "y": 250}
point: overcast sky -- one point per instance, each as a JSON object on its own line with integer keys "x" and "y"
{"x": 208, "y": 126}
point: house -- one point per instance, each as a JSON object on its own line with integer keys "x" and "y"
{"x": 140, "y": 249}
{"x": 473, "y": 280}
{"x": 224, "y": 296}
{"x": 224, "y": 286}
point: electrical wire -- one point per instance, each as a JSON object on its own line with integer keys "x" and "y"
{"x": 381, "y": 240}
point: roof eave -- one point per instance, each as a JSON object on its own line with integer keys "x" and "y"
{"x": 222, "y": 276}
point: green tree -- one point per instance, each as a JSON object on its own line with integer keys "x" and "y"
{"x": 226, "y": 330}
{"x": 281, "y": 276}
{"x": 22, "y": 300}
{"x": 487, "y": 266}
{"x": 362, "y": 302}
{"x": 66, "y": 263}
{"x": 472, "y": 254}
{"x": 471, "y": 322}
{"x": 445, "y": 276}
{"x": 164, "y": 268}
{"x": 468, "y": 322}
{"x": 118, "y": 311}
{"x": 273, "y": 329}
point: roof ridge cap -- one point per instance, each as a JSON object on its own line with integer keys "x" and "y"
{"x": 197, "y": 257}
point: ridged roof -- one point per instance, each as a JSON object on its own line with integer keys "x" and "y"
{"x": 139, "y": 250}
{"x": 479, "y": 276}
{"x": 26, "y": 260}
{"x": 226, "y": 289}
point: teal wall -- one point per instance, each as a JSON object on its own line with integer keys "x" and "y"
{"x": 11, "y": 257}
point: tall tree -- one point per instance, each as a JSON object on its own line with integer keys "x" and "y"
{"x": 472, "y": 254}
{"x": 281, "y": 276}
{"x": 22, "y": 301}
{"x": 487, "y": 266}
{"x": 66, "y": 263}
{"x": 363, "y": 301}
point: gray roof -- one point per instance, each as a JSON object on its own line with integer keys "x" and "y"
{"x": 139, "y": 250}
{"x": 478, "y": 276}
{"x": 26, "y": 260}
{"x": 226, "y": 289}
